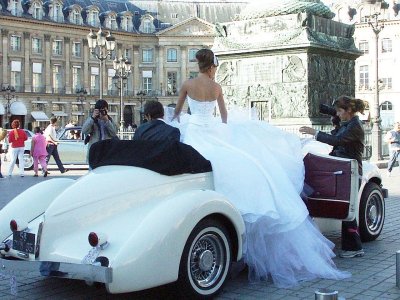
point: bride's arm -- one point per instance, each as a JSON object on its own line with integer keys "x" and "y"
{"x": 221, "y": 105}
{"x": 181, "y": 101}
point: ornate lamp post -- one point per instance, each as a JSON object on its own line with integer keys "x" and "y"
{"x": 8, "y": 94}
{"x": 141, "y": 95}
{"x": 81, "y": 97}
{"x": 122, "y": 69}
{"x": 377, "y": 27}
{"x": 101, "y": 47}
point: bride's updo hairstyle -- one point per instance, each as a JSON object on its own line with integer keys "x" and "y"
{"x": 205, "y": 59}
{"x": 345, "y": 102}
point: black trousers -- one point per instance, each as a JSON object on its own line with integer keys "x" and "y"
{"x": 52, "y": 150}
{"x": 351, "y": 240}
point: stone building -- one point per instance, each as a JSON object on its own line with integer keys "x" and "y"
{"x": 358, "y": 12}
{"x": 45, "y": 57}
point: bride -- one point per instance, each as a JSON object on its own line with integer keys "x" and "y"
{"x": 260, "y": 169}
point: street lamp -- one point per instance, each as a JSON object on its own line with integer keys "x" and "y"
{"x": 376, "y": 7}
{"x": 101, "y": 46}
{"x": 81, "y": 97}
{"x": 8, "y": 94}
{"x": 141, "y": 94}
{"x": 122, "y": 69}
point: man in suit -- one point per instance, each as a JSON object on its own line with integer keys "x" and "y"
{"x": 155, "y": 129}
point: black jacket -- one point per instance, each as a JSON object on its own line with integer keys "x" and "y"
{"x": 157, "y": 130}
{"x": 347, "y": 141}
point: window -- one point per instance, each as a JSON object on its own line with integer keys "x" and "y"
{"x": 364, "y": 80}
{"x": 111, "y": 88}
{"x": 174, "y": 16}
{"x": 127, "y": 54}
{"x": 364, "y": 18}
{"x": 147, "y": 55}
{"x": 15, "y": 43}
{"x": 171, "y": 83}
{"x": 37, "y": 85}
{"x": 16, "y": 75}
{"x": 57, "y": 47}
{"x": 172, "y": 54}
{"x": 387, "y": 83}
{"x": 126, "y": 23}
{"x": 15, "y": 8}
{"x": 37, "y": 11}
{"x": 57, "y": 79}
{"x": 57, "y": 13}
{"x": 193, "y": 74}
{"x": 76, "y": 49}
{"x": 112, "y": 22}
{"x": 76, "y": 78}
{"x": 386, "y": 105}
{"x": 94, "y": 81}
{"x": 75, "y": 17}
{"x": 386, "y": 45}
{"x": 93, "y": 18}
{"x": 363, "y": 47}
{"x": 192, "y": 54}
{"x": 147, "y": 81}
{"x": 147, "y": 26}
{"x": 36, "y": 45}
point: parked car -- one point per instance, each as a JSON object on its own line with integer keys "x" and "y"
{"x": 132, "y": 229}
{"x": 71, "y": 146}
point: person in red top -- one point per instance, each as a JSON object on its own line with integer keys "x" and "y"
{"x": 16, "y": 139}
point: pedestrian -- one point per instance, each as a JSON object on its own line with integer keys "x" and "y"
{"x": 39, "y": 152}
{"x": 393, "y": 139}
{"x": 16, "y": 140}
{"x": 3, "y": 134}
{"x": 100, "y": 126}
{"x": 52, "y": 142}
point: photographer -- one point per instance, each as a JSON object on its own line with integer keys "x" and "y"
{"x": 99, "y": 126}
{"x": 348, "y": 142}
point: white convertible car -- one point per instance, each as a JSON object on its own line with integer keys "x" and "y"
{"x": 132, "y": 228}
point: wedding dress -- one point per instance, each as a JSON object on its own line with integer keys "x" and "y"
{"x": 259, "y": 168}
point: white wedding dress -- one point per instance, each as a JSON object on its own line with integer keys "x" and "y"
{"x": 259, "y": 168}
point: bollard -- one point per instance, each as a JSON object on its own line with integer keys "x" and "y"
{"x": 398, "y": 268}
{"x": 324, "y": 294}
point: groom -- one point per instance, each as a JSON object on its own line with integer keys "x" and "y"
{"x": 155, "y": 129}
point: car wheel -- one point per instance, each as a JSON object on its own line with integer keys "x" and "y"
{"x": 206, "y": 260}
{"x": 372, "y": 212}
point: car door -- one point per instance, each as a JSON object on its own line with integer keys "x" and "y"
{"x": 71, "y": 150}
{"x": 334, "y": 186}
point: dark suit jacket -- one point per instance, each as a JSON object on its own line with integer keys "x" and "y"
{"x": 157, "y": 130}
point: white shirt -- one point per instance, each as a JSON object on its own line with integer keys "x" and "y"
{"x": 50, "y": 133}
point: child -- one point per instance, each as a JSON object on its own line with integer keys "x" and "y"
{"x": 39, "y": 152}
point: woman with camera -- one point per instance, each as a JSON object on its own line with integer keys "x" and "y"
{"x": 348, "y": 142}
{"x": 99, "y": 125}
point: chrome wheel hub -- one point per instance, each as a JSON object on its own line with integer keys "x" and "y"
{"x": 206, "y": 260}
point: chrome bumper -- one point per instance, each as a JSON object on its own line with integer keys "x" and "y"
{"x": 55, "y": 269}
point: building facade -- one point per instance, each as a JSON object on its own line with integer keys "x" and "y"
{"x": 388, "y": 47}
{"x": 48, "y": 69}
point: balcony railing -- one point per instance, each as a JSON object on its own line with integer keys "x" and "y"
{"x": 38, "y": 89}
{"x": 58, "y": 90}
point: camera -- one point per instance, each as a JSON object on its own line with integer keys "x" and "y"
{"x": 327, "y": 110}
{"x": 330, "y": 111}
{"x": 103, "y": 112}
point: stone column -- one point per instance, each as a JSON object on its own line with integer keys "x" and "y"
{"x": 68, "y": 66}
{"x": 27, "y": 63}
{"x": 5, "y": 40}
{"x": 161, "y": 60}
{"x": 136, "y": 72}
{"x": 184, "y": 60}
{"x": 47, "y": 72}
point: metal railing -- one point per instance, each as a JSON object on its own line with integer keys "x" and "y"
{"x": 125, "y": 134}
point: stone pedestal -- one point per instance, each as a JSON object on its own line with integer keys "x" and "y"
{"x": 286, "y": 61}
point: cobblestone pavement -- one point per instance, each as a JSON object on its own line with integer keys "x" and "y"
{"x": 373, "y": 276}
